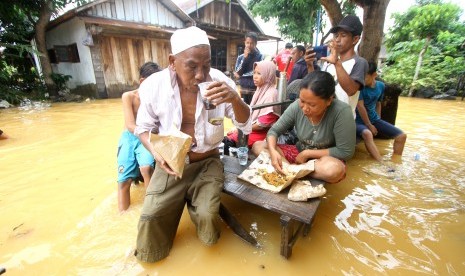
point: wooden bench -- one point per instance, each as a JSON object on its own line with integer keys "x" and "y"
{"x": 296, "y": 217}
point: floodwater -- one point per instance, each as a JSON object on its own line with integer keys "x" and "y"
{"x": 58, "y": 204}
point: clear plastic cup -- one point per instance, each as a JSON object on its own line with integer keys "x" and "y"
{"x": 243, "y": 155}
{"x": 203, "y": 88}
{"x": 221, "y": 150}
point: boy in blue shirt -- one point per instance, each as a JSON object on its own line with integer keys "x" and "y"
{"x": 368, "y": 116}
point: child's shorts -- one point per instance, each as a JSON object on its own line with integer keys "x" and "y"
{"x": 131, "y": 155}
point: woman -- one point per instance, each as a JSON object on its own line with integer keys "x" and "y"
{"x": 264, "y": 77}
{"x": 325, "y": 130}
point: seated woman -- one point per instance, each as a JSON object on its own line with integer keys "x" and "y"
{"x": 264, "y": 78}
{"x": 325, "y": 129}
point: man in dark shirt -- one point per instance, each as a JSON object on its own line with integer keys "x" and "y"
{"x": 244, "y": 66}
{"x": 300, "y": 66}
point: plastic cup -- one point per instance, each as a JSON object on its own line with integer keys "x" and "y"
{"x": 203, "y": 88}
{"x": 243, "y": 155}
{"x": 221, "y": 150}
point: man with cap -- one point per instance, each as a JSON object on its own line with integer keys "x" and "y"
{"x": 347, "y": 68}
{"x": 283, "y": 58}
{"x": 171, "y": 98}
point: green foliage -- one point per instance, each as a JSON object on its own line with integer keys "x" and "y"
{"x": 296, "y": 18}
{"x": 444, "y": 59}
{"x": 60, "y": 80}
{"x": 18, "y": 77}
{"x": 15, "y": 85}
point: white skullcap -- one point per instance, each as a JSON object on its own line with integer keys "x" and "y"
{"x": 183, "y": 39}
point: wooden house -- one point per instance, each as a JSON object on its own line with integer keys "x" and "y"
{"x": 102, "y": 44}
{"x": 226, "y": 22}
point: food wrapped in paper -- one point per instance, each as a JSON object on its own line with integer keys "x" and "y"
{"x": 263, "y": 175}
{"x": 173, "y": 148}
{"x": 301, "y": 190}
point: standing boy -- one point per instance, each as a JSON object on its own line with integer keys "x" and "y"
{"x": 132, "y": 157}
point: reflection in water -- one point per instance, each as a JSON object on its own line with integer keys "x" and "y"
{"x": 59, "y": 208}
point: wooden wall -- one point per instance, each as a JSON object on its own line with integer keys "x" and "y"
{"x": 146, "y": 11}
{"x": 122, "y": 58}
{"x": 217, "y": 14}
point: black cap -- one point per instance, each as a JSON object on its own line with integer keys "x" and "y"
{"x": 289, "y": 45}
{"x": 349, "y": 23}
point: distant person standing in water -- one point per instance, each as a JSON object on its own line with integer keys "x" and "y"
{"x": 133, "y": 158}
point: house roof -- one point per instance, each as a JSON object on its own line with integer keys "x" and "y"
{"x": 168, "y": 4}
{"x": 191, "y": 7}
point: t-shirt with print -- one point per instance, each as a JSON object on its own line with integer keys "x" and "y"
{"x": 358, "y": 67}
{"x": 370, "y": 96}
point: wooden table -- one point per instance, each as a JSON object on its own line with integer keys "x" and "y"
{"x": 292, "y": 212}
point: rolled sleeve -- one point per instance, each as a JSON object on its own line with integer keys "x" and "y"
{"x": 146, "y": 120}
{"x": 345, "y": 136}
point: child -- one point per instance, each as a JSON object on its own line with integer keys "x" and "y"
{"x": 368, "y": 120}
{"x": 132, "y": 155}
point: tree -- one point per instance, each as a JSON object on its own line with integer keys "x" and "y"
{"x": 26, "y": 19}
{"x": 426, "y": 38}
{"x": 297, "y": 18}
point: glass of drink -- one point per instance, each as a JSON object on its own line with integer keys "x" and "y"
{"x": 203, "y": 88}
{"x": 243, "y": 155}
{"x": 221, "y": 150}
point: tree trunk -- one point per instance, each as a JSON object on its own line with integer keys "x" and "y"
{"x": 418, "y": 67}
{"x": 333, "y": 10}
{"x": 40, "y": 28}
{"x": 374, "y": 15}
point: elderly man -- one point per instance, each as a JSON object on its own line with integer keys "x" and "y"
{"x": 171, "y": 97}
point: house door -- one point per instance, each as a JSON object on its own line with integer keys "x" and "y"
{"x": 218, "y": 51}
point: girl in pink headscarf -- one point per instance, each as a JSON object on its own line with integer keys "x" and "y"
{"x": 264, "y": 77}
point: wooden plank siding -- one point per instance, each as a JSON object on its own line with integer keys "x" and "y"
{"x": 217, "y": 14}
{"x": 143, "y": 11}
{"x": 122, "y": 58}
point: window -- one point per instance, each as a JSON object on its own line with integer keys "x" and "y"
{"x": 64, "y": 53}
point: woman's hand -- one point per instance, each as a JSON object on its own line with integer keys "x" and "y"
{"x": 276, "y": 160}
{"x": 302, "y": 157}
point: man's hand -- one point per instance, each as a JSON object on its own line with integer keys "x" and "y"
{"x": 220, "y": 92}
{"x": 162, "y": 163}
{"x": 333, "y": 56}
{"x": 310, "y": 57}
{"x": 246, "y": 52}
{"x": 236, "y": 76}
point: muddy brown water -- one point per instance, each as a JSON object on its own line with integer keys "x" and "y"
{"x": 59, "y": 215}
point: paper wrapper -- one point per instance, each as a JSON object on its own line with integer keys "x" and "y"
{"x": 173, "y": 148}
{"x": 301, "y": 190}
{"x": 262, "y": 165}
